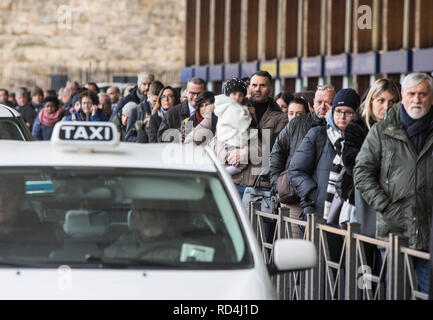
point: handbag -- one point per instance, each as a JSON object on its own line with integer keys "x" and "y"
{"x": 286, "y": 193}
{"x": 266, "y": 196}
{"x": 334, "y": 211}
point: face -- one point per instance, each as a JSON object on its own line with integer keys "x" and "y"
{"x": 3, "y": 97}
{"x": 125, "y": 118}
{"x": 152, "y": 99}
{"x": 77, "y": 105}
{"x": 9, "y": 203}
{"x": 203, "y": 108}
{"x": 86, "y": 103}
{"x": 323, "y": 102}
{"x": 37, "y": 99}
{"x": 342, "y": 116}
{"x": 167, "y": 99}
{"x": 283, "y": 105}
{"x": 150, "y": 224}
{"x": 22, "y": 100}
{"x": 192, "y": 91}
{"x": 237, "y": 96}
{"x": 91, "y": 87}
{"x": 114, "y": 96}
{"x": 417, "y": 101}
{"x": 50, "y": 107}
{"x": 381, "y": 103}
{"x": 260, "y": 89}
{"x": 295, "y": 110}
{"x": 66, "y": 96}
{"x": 144, "y": 87}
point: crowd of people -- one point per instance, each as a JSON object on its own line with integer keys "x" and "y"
{"x": 348, "y": 157}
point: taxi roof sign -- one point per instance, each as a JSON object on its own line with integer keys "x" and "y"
{"x": 87, "y": 135}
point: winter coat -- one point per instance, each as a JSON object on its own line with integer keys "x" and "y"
{"x": 397, "y": 181}
{"x": 131, "y": 130}
{"x": 205, "y": 130}
{"x": 273, "y": 120}
{"x": 248, "y": 175}
{"x": 288, "y": 141}
{"x": 81, "y": 116}
{"x": 309, "y": 180}
{"x": 173, "y": 119}
{"x": 154, "y": 123}
{"x": 233, "y": 121}
{"x": 28, "y": 114}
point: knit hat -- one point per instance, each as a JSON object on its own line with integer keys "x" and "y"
{"x": 127, "y": 108}
{"x": 37, "y": 91}
{"x": 346, "y": 98}
{"x": 235, "y": 85}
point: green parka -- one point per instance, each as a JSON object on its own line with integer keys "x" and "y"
{"x": 397, "y": 181}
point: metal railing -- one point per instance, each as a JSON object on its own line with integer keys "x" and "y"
{"x": 344, "y": 271}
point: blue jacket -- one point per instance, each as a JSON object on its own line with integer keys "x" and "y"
{"x": 40, "y": 131}
{"x": 80, "y": 116}
{"x": 311, "y": 181}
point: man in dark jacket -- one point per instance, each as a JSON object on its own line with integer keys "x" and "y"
{"x": 291, "y": 137}
{"x": 171, "y": 125}
{"x": 25, "y": 109}
{"x": 393, "y": 170}
{"x": 138, "y": 95}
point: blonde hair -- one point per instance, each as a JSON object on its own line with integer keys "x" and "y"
{"x": 380, "y": 86}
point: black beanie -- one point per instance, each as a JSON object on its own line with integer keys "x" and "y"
{"x": 346, "y": 98}
{"x": 235, "y": 85}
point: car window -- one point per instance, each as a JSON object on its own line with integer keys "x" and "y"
{"x": 9, "y": 130}
{"x": 118, "y": 218}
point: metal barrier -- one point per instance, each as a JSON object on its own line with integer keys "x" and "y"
{"x": 343, "y": 271}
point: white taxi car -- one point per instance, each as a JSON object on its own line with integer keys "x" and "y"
{"x": 86, "y": 217}
{"x": 12, "y": 125}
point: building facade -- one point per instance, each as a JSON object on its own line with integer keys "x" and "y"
{"x": 89, "y": 40}
{"x": 304, "y": 43}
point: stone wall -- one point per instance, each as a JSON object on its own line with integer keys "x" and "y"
{"x": 89, "y": 39}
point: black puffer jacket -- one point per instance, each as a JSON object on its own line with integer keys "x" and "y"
{"x": 288, "y": 141}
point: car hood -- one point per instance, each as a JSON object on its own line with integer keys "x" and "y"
{"x": 134, "y": 284}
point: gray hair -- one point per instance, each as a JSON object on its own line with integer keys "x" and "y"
{"x": 414, "y": 79}
{"x": 145, "y": 77}
{"x": 21, "y": 92}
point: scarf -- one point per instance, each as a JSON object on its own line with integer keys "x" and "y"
{"x": 337, "y": 165}
{"x": 161, "y": 112}
{"x": 49, "y": 120}
{"x": 417, "y": 130}
{"x": 198, "y": 117}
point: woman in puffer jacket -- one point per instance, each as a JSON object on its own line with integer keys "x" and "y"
{"x": 49, "y": 115}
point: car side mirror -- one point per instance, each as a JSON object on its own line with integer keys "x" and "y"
{"x": 293, "y": 255}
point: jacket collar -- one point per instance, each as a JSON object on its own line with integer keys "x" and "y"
{"x": 394, "y": 129}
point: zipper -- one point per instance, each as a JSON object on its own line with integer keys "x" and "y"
{"x": 389, "y": 170}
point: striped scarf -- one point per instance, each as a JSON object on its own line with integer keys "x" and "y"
{"x": 337, "y": 165}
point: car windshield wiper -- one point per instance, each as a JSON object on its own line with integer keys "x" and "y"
{"x": 136, "y": 262}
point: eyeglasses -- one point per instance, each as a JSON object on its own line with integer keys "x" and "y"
{"x": 340, "y": 113}
{"x": 192, "y": 94}
{"x": 169, "y": 96}
{"x": 326, "y": 87}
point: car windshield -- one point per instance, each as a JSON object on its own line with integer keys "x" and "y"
{"x": 10, "y": 130}
{"x": 118, "y": 218}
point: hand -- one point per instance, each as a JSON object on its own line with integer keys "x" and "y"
{"x": 209, "y": 109}
{"x": 237, "y": 157}
{"x": 94, "y": 109}
{"x": 252, "y": 110}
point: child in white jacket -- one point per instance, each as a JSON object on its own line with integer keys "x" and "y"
{"x": 234, "y": 120}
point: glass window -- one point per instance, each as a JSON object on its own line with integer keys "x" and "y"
{"x": 118, "y": 218}
{"x": 9, "y": 130}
